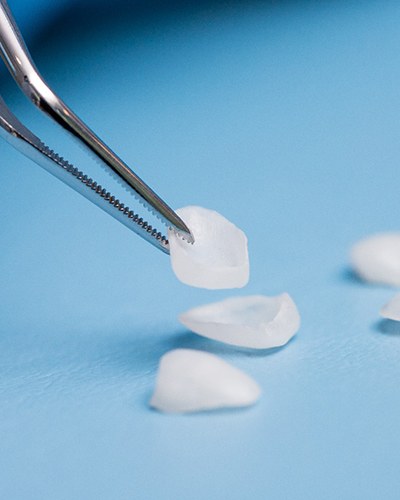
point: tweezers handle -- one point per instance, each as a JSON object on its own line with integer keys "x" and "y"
{"x": 20, "y": 64}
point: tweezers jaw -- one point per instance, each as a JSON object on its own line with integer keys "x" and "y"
{"x": 20, "y": 64}
{"x": 14, "y": 132}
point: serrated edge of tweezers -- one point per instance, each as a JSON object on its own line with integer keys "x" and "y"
{"x": 144, "y": 226}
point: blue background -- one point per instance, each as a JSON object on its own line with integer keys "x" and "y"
{"x": 285, "y": 118}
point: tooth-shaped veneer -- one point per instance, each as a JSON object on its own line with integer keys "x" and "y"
{"x": 217, "y": 259}
{"x": 377, "y": 258}
{"x": 189, "y": 380}
{"x": 255, "y": 321}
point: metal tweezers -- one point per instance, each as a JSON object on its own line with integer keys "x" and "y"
{"x": 19, "y": 62}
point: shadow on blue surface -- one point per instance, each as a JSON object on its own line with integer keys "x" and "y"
{"x": 188, "y": 340}
{"x": 349, "y": 276}
{"x": 83, "y": 15}
{"x": 141, "y": 354}
{"x": 388, "y": 327}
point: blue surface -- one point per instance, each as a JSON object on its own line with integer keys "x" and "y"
{"x": 33, "y": 17}
{"x": 285, "y": 119}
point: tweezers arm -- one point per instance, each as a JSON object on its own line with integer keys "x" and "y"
{"x": 14, "y": 132}
{"x": 20, "y": 64}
